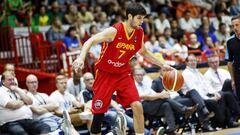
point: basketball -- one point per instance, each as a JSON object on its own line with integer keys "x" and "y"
{"x": 173, "y": 80}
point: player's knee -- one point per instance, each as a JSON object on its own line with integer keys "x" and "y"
{"x": 97, "y": 122}
{"x": 137, "y": 107}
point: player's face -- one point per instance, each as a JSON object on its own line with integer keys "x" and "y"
{"x": 136, "y": 21}
{"x": 236, "y": 26}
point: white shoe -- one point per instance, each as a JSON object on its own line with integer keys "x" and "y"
{"x": 66, "y": 123}
{"x": 121, "y": 124}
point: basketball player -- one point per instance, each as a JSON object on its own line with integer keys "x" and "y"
{"x": 113, "y": 73}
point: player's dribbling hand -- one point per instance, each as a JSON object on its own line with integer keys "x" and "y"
{"x": 77, "y": 65}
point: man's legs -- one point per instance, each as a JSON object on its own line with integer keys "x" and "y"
{"x": 97, "y": 124}
{"x": 13, "y": 128}
{"x": 138, "y": 118}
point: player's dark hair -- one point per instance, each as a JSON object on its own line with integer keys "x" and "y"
{"x": 135, "y": 9}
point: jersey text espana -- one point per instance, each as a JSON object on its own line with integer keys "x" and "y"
{"x": 116, "y": 54}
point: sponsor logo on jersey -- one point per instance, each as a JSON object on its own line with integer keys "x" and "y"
{"x": 125, "y": 46}
{"x": 115, "y": 63}
{"x": 98, "y": 104}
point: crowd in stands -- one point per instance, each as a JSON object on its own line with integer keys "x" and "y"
{"x": 172, "y": 29}
{"x": 208, "y": 97}
{"x": 169, "y": 26}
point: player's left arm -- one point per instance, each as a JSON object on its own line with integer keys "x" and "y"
{"x": 150, "y": 57}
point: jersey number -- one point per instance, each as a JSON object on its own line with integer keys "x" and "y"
{"x": 122, "y": 53}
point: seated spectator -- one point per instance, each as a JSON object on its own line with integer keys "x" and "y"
{"x": 10, "y": 68}
{"x": 187, "y": 23}
{"x": 204, "y": 34}
{"x": 154, "y": 102}
{"x": 30, "y": 21}
{"x": 103, "y": 22}
{"x": 16, "y": 8}
{"x": 42, "y": 107}
{"x": 11, "y": 20}
{"x": 71, "y": 15}
{"x": 95, "y": 49}
{"x": 151, "y": 43}
{"x": 72, "y": 39}
{"x": 41, "y": 17}
{"x": 55, "y": 32}
{"x": 222, "y": 35}
{"x": 177, "y": 32}
{"x": 80, "y": 28}
{"x": 181, "y": 50}
{"x": 205, "y": 21}
{"x": 208, "y": 46}
{"x": 225, "y": 105}
{"x": 167, "y": 33}
{"x": 16, "y": 117}
{"x": 68, "y": 102}
{"x": 194, "y": 44}
{"x": 86, "y": 16}
{"x": 55, "y": 12}
{"x": 192, "y": 97}
{"x": 234, "y": 8}
{"x": 183, "y": 5}
{"x": 219, "y": 78}
{"x": 161, "y": 23}
{"x": 75, "y": 84}
{"x": 162, "y": 45}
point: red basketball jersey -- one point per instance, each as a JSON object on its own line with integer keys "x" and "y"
{"x": 116, "y": 54}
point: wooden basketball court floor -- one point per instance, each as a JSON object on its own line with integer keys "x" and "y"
{"x": 229, "y": 131}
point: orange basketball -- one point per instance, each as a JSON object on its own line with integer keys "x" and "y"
{"x": 173, "y": 80}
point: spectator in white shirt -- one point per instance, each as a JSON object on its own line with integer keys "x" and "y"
{"x": 11, "y": 68}
{"x": 217, "y": 76}
{"x": 193, "y": 79}
{"x": 154, "y": 102}
{"x": 161, "y": 23}
{"x": 75, "y": 84}
{"x": 67, "y": 101}
{"x": 16, "y": 117}
{"x": 187, "y": 23}
{"x": 43, "y": 108}
{"x": 151, "y": 43}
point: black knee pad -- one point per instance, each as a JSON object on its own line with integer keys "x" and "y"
{"x": 97, "y": 123}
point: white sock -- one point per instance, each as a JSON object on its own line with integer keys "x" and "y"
{"x": 139, "y": 133}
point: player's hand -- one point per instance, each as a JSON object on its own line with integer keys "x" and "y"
{"x": 77, "y": 65}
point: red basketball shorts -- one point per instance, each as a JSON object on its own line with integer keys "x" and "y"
{"x": 106, "y": 84}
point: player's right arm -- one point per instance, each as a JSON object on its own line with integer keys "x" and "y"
{"x": 106, "y": 35}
